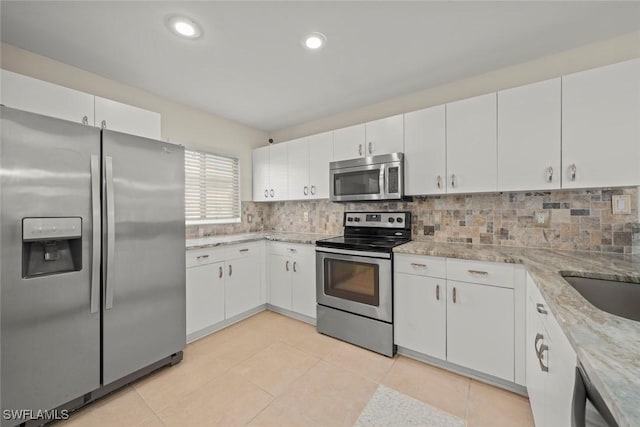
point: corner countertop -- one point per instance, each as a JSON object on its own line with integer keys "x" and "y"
{"x": 608, "y": 346}
{"x": 230, "y": 239}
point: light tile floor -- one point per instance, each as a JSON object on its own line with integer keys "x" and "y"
{"x": 270, "y": 370}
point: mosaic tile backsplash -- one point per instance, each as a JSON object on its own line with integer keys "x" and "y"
{"x": 577, "y": 219}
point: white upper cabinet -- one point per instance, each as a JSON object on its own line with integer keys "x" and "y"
{"x": 298, "y": 168}
{"x": 40, "y": 97}
{"x": 320, "y": 155}
{"x": 472, "y": 145}
{"x": 385, "y": 136}
{"x": 125, "y": 118}
{"x": 261, "y": 174}
{"x": 349, "y": 142}
{"x": 529, "y": 130}
{"x": 601, "y": 126}
{"x": 425, "y": 151}
{"x": 278, "y": 172}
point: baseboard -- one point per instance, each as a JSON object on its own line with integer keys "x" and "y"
{"x": 194, "y": 336}
{"x": 461, "y": 370}
{"x": 292, "y": 314}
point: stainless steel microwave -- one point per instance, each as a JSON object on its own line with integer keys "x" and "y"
{"x": 367, "y": 178}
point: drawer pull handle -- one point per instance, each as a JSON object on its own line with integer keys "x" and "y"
{"x": 418, "y": 265}
{"x": 540, "y": 351}
{"x": 220, "y": 273}
{"x": 541, "y": 309}
{"x": 454, "y": 295}
{"x": 478, "y": 272}
{"x": 244, "y": 250}
{"x": 438, "y": 292}
{"x": 203, "y": 257}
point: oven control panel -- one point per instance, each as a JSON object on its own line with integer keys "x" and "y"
{"x": 378, "y": 219}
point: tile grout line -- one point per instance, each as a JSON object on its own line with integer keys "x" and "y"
{"x": 153, "y": 411}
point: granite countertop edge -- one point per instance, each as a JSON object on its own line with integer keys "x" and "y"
{"x": 607, "y": 346}
{"x": 275, "y": 236}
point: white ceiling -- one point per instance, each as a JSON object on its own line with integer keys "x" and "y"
{"x": 250, "y": 67}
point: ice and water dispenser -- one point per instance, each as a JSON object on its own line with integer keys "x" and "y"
{"x": 51, "y": 246}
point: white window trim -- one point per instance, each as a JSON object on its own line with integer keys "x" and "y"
{"x": 226, "y": 220}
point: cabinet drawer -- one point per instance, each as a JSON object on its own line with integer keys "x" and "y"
{"x": 290, "y": 249}
{"x": 242, "y": 250}
{"x": 198, "y": 257}
{"x": 487, "y": 273}
{"x": 420, "y": 265}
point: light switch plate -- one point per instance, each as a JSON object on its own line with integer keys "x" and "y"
{"x": 621, "y": 205}
{"x": 306, "y": 217}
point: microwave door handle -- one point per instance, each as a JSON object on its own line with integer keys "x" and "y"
{"x": 383, "y": 184}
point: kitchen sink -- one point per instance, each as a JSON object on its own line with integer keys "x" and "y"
{"x": 612, "y": 296}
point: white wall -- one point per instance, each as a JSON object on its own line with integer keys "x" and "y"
{"x": 589, "y": 56}
{"x": 192, "y": 127}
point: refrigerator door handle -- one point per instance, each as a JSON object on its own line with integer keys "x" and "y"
{"x": 108, "y": 304}
{"x": 96, "y": 227}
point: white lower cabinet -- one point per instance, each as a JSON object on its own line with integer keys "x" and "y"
{"x": 469, "y": 324}
{"x": 222, "y": 283}
{"x": 292, "y": 277}
{"x": 550, "y": 363}
{"x": 480, "y": 328}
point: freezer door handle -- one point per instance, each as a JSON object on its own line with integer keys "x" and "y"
{"x": 95, "y": 238}
{"x": 111, "y": 223}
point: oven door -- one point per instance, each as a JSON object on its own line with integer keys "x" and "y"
{"x": 365, "y": 182}
{"x": 355, "y": 281}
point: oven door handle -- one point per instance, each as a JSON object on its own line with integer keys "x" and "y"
{"x": 380, "y": 255}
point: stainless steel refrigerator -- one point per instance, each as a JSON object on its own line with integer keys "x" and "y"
{"x": 92, "y": 260}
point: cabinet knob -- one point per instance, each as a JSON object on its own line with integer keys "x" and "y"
{"x": 550, "y": 174}
{"x": 313, "y": 190}
{"x": 85, "y": 120}
{"x": 370, "y": 148}
{"x": 220, "y": 273}
{"x": 572, "y": 171}
{"x": 453, "y": 181}
{"x": 438, "y": 292}
{"x": 294, "y": 267}
{"x": 266, "y": 194}
{"x": 230, "y": 270}
{"x": 439, "y": 182}
{"x": 306, "y": 190}
{"x": 271, "y": 193}
{"x": 103, "y": 124}
{"x": 454, "y": 295}
{"x": 286, "y": 265}
{"x": 360, "y": 149}
{"x": 540, "y": 351}
{"x": 540, "y": 309}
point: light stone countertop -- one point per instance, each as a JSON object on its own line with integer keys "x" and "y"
{"x": 230, "y": 239}
{"x": 608, "y": 346}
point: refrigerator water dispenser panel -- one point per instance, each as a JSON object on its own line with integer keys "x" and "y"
{"x": 51, "y": 246}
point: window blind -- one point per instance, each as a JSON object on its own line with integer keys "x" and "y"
{"x": 212, "y": 188}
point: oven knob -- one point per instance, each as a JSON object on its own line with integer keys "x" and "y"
{"x": 391, "y": 220}
{"x": 356, "y": 219}
{"x": 399, "y": 219}
{"x": 350, "y": 219}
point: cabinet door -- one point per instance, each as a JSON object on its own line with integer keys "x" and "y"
{"x": 471, "y": 145}
{"x": 385, "y": 136}
{"x": 242, "y": 285}
{"x": 601, "y": 126}
{"x": 562, "y": 363}
{"x": 261, "y": 174}
{"x": 205, "y": 296}
{"x": 425, "y": 151}
{"x": 303, "y": 283}
{"x": 529, "y": 137}
{"x": 320, "y": 155}
{"x": 280, "y": 281}
{"x": 420, "y": 314}
{"x": 535, "y": 376}
{"x": 278, "y": 179}
{"x": 298, "y": 168}
{"x": 348, "y": 143}
{"x": 126, "y": 118}
{"x": 480, "y": 327}
{"x": 40, "y": 97}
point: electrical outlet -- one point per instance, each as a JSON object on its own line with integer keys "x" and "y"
{"x": 541, "y": 219}
{"x": 249, "y": 218}
{"x": 305, "y": 217}
{"x": 437, "y": 217}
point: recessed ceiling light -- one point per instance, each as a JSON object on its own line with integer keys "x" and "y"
{"x": 184, "y": 27}
{"x": 314, "y": 41}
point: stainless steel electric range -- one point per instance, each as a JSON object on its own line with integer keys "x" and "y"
{"x": 354, "y": 279}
